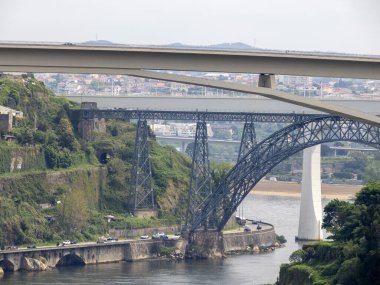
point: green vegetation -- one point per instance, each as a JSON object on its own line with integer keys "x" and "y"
{"x": 167, "y": 250}
{"x": 354, "y": 255}
{"x": 61, "y": 189}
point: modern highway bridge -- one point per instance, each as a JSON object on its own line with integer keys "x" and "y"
{"x": 139, "y": 61}
{"x": 218, "y": 104}
{"x": 211, "y": 208}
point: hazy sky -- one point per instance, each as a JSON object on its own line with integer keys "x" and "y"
{"x": 351, "y": 26}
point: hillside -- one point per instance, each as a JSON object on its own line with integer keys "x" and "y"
{"x": 52, "y": 184}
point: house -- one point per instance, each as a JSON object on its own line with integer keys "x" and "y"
{"x": 8, "y": 118}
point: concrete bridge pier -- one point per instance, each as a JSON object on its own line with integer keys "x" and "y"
{"x": 310, "y": 222}
{"x": 184, "y": 146}
{"x": 267, "y": 80}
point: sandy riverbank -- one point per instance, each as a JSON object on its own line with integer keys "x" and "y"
{"x": 290, "y": 189}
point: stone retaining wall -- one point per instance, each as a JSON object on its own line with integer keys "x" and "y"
{"x": 235, "y": 242}
{"x": 130, "y": 233}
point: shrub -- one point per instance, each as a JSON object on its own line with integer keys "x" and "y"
{"x": 281, "y": 239}
{"x": 348, "y": 272}
{"x": 298, "y": 256}
{"x": 297, "y": 274}
{"x": 166, "y": 250}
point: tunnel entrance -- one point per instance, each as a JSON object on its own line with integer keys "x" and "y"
{"x": 104, "y": 157}
{"x": 7, "y": 265}
{"x": 70, "y": 259}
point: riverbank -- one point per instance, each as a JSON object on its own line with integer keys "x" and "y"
{"x": 292, "y": 189}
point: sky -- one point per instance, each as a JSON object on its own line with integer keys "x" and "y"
{"x": 347, "y": 26}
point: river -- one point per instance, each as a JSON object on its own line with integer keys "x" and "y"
{"x": 263, "y": 268}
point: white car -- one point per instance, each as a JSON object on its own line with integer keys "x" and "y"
{"x": 66, "y": 242}
{"x": 144, "y": 237}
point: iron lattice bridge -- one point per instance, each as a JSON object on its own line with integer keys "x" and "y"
{"x": 220, "y": 205}
{"x": 125, "y": 114}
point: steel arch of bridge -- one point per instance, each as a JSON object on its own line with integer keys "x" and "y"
{"x": 270, "y": 152}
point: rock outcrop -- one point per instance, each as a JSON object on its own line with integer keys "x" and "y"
{"x": 31, "y": 264}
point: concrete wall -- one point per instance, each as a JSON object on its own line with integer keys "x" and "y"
{"x": 86, "y": 128}
{"x": 240, "y": 241}
{"x": 145, "y": 213}
{"x": 92, "y": 254}
{"x": 201, "y": 245}
{"x": 142, "y": 250}
{"x": 6, "y": 121}
{"x": 205, "y": 245}
{"x": 128, "y": 233}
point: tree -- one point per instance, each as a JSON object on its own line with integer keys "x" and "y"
{"x": 24, "y": 135}
{"x": 372, "y": 171}
{"x": 298, "y": 256}
{"x": 66, "y": 135}
{"x": 219, "y": 172}
{"x": 57, "y": 158}
{"x": 357, "y": 227}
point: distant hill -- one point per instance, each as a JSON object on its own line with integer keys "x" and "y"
{"x": 226, "y": 46}
{"x": 99, "y": 43}
{"x": 237, "y": 46}
{"x": 222, "y": 46}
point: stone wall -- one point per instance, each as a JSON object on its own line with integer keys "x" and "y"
{"x": 205, "y": 245}
{"x": 86, "y": 128}
{"x": 18, "y": 159}
{"x": 210, "y": 244}
{"x": 235, "y": 242}
{"x": 145, "y": 213}
{"x": 142, "y": 250}
{"x": 6, "y": 121}
{"x": 130, "y": 233}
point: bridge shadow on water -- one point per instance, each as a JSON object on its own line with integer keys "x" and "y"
{"x": 71, "y": 260}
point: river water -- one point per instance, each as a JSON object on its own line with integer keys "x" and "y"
{"x": 283, "y": 212}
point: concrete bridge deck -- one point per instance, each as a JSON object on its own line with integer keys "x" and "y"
{"x": 219, "y": 104}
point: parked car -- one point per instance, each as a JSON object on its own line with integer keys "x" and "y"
{"x": 66, "y": 242}
{"x": 247, "y": 229}
{"x": 159, "y": 236}
{"x": 73, "y": 242}
{"x": 240, "y": 220}
{"x": 111, "y": 239}
{"x": 31, "y": 246}
{"x": 144, "y": 237}
{"x": 11, "y": 247}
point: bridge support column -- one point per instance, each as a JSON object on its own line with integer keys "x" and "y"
{"x": 141, "y": 177}
{"x": 87, "y": 123}
{"x": 267, "y": 80}
{"x": 184, "y": 146}
{"x": 309, "y": 227}
{"x": 248, "y": 139}
{"x": 200, "y": 177}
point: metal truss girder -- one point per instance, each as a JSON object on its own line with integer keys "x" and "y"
{"x": 200, "y": 177}
{"x": 248, "y": 139}
{"x": 271, "y": 151}
{"x": 124, "y": 114}
{"x": 141, "y": 178}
